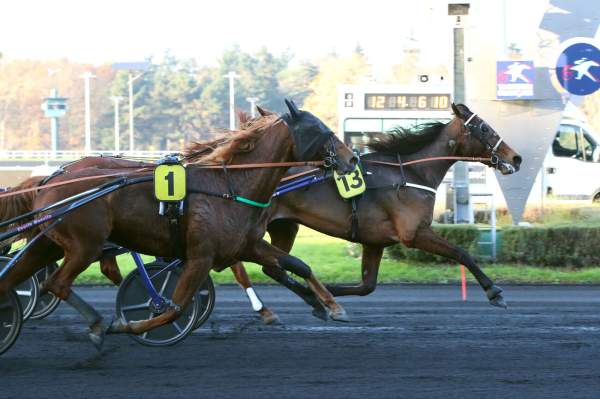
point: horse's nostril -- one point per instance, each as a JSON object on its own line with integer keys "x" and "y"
{"x": 517, "y": 160}
{"x": 354, "y": 161}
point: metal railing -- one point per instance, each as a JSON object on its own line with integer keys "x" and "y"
{"x": 72, "y": 155}
{"x": 487, "y": 199}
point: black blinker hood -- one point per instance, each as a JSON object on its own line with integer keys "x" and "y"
{"x": 309, "y": 133}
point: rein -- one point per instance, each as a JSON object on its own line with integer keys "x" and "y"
{"x": 416, "y": 161}
{"x": 148, "y": 168}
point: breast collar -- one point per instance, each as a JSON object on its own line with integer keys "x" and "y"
{"x": 403, "y": 182}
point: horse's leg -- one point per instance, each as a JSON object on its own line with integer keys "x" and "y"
{"x": 77, "y": 259}
{"x": 37, "y": 256}
{"x": 239, "y": 272}
{"x": 426, "y": 240}
{"x": 110, "y": 268}
{"x": 283, "y": 235}
{"x": 371, "y": 258}
{"x": 271, "y": 257}
{"x": 194, "y": 274}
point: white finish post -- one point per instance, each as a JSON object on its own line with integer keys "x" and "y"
{"x": 131, "y": 129}
{"x": 116, "y": 100}
{"x": 231, "y": 76}
{"x": 252, "y": 101}
{"x": 88, "y": 119}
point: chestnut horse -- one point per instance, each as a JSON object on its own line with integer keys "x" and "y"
{"x": 388, "y": 213}
{"x": 216, "y": 233}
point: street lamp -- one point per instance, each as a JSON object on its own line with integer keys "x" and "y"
{"x": 54, "y": 107}
{"x": 130, "y": 67}
{"x": 116, "y": 100}
{"x": 252, "y": 101}
{"x": 88, "y": 120}
{"x": 231, "y": 76}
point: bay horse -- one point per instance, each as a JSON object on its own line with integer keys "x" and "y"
{"x": 216, "y": 233}
{"x": 389, "y": 213}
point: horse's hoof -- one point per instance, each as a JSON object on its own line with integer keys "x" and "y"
{"x": 116, "y": 326}
{"x": 499, "y": 301}
{"x": 494, "y": 294}
{"x": 339, "y": 315}
{"x": 320, "y": 313}
{"x": 271, "y": 318}
{"x": 97, "y": 334}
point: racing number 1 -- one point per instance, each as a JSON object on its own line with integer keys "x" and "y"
{"x": 170, "y": 178}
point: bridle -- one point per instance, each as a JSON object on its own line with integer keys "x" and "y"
{"x": 482, "y": 132}
{"x": 330, "y": 160}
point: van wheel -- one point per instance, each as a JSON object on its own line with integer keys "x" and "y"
{"x": 596, "y": 199}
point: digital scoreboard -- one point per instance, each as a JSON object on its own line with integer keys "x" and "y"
{"x": 402, "y": 101}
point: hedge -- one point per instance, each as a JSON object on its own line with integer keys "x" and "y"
{"x": 553, "y": 246}
{"x": 573, "y": 246}
{"x": 463, "y": 235}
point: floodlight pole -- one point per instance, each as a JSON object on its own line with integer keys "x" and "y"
{"x": 231, "y": 76}
{"x": 116, "y": 100}
{"x": 463, "y": 212}
{"x": 88, "y": 120}
{"x": 131, "y": 80}
{"x": 252, "y": 101}
{"x": 53, "y": 128}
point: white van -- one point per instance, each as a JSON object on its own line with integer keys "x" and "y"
{"x": 572, "y": 164}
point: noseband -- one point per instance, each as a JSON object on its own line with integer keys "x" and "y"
{"x": 484, "y": 134}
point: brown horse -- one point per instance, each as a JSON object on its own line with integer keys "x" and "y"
{"x": 17, "y": 205}
{"x": 389, "y": 213}
{"x": 216, "y": 233}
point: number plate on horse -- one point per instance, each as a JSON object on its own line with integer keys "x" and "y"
{"x": 351, "y": 184}
{"x": 169, "y": 182}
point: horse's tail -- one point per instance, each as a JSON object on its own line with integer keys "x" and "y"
{"x": 14, "y": 205}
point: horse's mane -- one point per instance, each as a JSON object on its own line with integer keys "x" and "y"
{"x": 405, "y": 141}
{"x": 223, "y": 148}
{"x": 16, "y": 205}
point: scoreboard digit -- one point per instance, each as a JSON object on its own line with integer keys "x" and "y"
{"x": 401, "y": 101}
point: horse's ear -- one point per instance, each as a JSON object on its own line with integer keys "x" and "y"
{"x": 456, "y": 111}
{"x": 294, "y": 111}
{"x": 242, "y": 116}
{"x": 263, "y": 112}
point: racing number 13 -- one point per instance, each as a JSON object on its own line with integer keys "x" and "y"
{"x": 356, "y": 178}
{"x": 350, "y": 185}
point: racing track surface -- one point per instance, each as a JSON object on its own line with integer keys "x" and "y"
{"x": 404, "y": 341}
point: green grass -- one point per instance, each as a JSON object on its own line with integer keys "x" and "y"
{"x": 331, "y": 262}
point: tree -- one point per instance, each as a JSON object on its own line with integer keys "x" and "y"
{"x": 295, "y": 81}
{"x": 334, "y": 71}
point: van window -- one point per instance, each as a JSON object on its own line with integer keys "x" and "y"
{"x": 565, "y": 142}
{"x": 588, "y": 149}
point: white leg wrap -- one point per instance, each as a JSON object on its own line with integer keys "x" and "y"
{"x": 254, "y": 300}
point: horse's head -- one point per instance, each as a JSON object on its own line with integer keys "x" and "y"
{"x": 314, "y": 140}
{"x": 475, "y": 138}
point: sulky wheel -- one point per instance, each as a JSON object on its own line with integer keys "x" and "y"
{"x": 206, "y": 296}
{"x": 28, "y": 291}
{"x": 11, "y": 320}
{"x": 133, "y": 303}
{"x": 48, "y": 302}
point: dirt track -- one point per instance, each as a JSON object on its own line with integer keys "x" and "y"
{"x": 403, "y": 341}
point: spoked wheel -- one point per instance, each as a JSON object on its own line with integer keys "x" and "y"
{"x": 11, "y": 320}
{"x": 206, "y": 296}
{"x": 48, "y": 302}
{"x": 133, "y": 303}
{"x": 28, "y": 291}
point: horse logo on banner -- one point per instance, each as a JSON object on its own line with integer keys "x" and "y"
{"x": 578, "y": 67}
